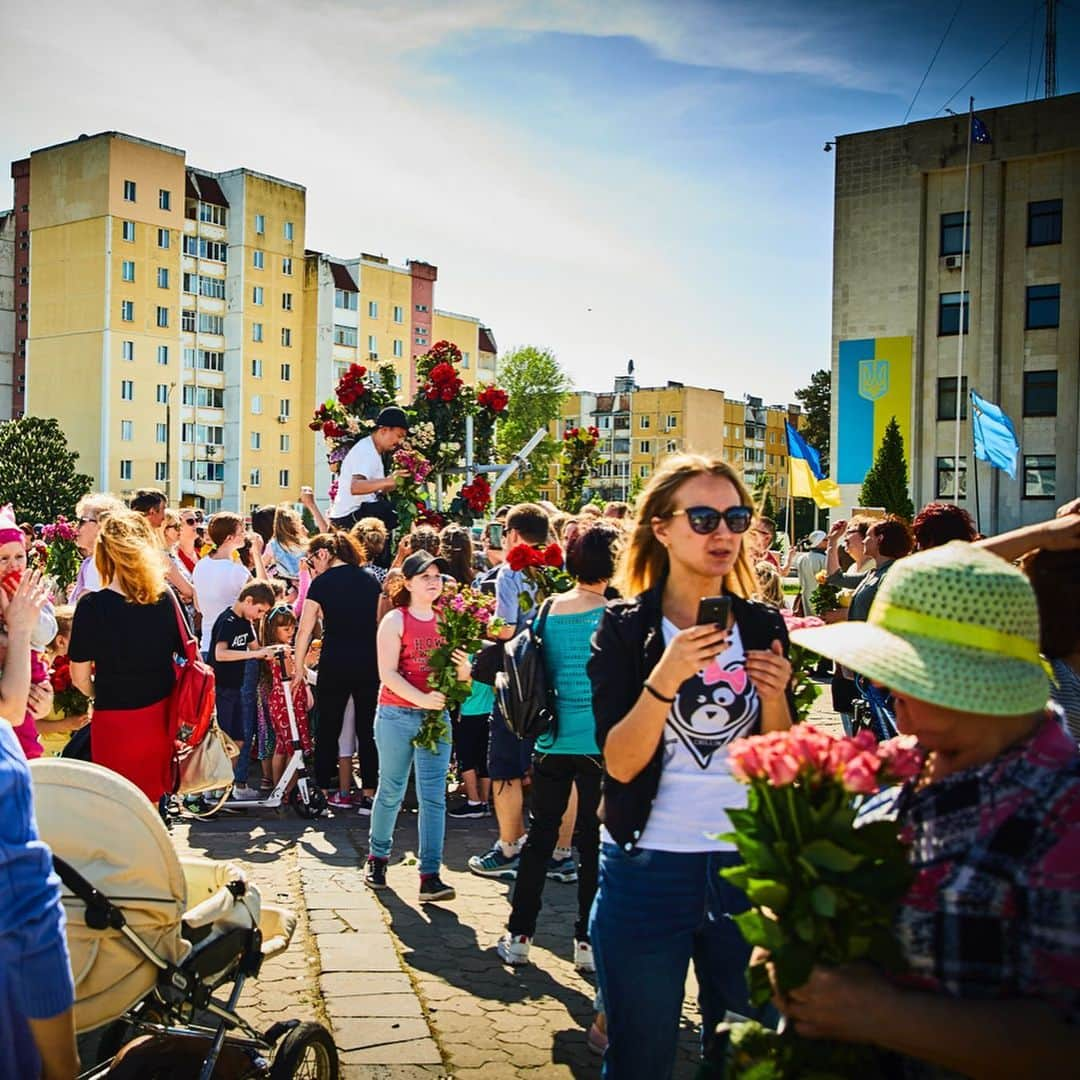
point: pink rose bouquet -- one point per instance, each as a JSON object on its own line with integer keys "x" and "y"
{"x": 822, "y": 889}
{"x": 409, "y": 495}
{"x": 63, "y": 561}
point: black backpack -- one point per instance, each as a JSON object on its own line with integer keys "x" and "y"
{"x": 522, "y": 692}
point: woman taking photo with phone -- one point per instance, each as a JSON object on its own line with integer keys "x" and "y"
{"x": 669, "y": 695}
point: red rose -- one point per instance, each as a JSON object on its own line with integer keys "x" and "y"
{"x": 553, "y": 556}
{"x": 61, "y": 678}
{"x": 519, "y": 557}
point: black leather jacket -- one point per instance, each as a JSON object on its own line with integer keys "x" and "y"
{"x": 627, "y": 645}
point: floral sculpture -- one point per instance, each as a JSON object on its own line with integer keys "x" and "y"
{"x": 577, "y": 461}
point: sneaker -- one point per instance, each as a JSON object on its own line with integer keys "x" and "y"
{"x": 432, "y": 887}
{"x": 564, "y": 870}
{"x": 494, "y": 864}
{"x": 339, "y": 801}
{"x": 243, "y": 793}
{"x": 513, "y": 949}
{"x": 196, "y": 804}
{"x": 363, "y": 805}
{"x": 375, "y": 873}
{"x": 583, "y": 957}
{"x": 468, "y": 810}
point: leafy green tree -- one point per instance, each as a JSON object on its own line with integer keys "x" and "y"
{"x": 38, "y": 473}
{"x": 816, "y": 400}
{"x": 886, "y": 484}
{"x": 537, "y": 385}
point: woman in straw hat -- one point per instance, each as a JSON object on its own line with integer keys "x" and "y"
{"x": 990, "y": 926}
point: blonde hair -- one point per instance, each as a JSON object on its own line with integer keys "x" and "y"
{"x": 98, "y": 503}
{"x": 644, "y": 560}
{"x": 289, "y": 529}
{"x": 770, "y": 587}
{"x": 127, "y": 552}
{"x": 370, "y": 533}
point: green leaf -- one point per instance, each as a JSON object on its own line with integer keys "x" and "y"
{"x": 765, "y": 893}
{"x": 806, "y": 928}
{"x": 757, "y": 930}
{"x": 757, "y": 855}
{"x": 738, "y": 876}
{"x": 830, "y": 856}
{"x": 793, "y": 965}
{"x": 757, "y": 981}
{"x": 823, "y": 900}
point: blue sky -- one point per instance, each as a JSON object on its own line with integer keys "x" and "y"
{"x": 635, "y": 179}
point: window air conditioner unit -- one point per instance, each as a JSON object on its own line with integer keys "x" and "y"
{"x": 954, "y": 262}
{"x": 282, "y": 419}
{"x": 373, "y": 356}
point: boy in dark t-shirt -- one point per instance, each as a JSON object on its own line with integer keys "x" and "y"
{"x": 232, "y": 641}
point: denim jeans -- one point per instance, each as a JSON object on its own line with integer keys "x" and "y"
{"x": 247, "y": 704}
{"x": 395, "y": 726}
{"x": 655, "y": 911}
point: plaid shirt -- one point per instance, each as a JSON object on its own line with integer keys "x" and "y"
{"x": 995, "y": 908}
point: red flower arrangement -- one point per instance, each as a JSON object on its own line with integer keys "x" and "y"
{"x": 577, "y": 461}
{"x": 491, "y": 397}
{"x": 543, "y": 566}
{"x": 351, "y": 386}
{"x": 67, "y": 699}
{"x": 477, "y": 494}
{"x": 325, "y": 420}
{"x": 443, "y": 383}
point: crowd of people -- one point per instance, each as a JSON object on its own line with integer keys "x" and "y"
{"x": 632, "y": 773}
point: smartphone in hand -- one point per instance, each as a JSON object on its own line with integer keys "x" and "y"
{"x": 714, "y": 610}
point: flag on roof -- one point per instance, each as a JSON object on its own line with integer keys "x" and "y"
{"x": 805, "y": 475}
{"x": 980, "y": 133}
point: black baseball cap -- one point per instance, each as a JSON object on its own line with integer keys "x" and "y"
{"x": 392, "y": 417}
{"x": 418, "y": 563}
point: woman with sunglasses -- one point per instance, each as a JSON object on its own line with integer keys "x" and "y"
{"x": 669, "y": 695}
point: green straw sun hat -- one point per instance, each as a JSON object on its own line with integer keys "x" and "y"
{"x": 954, "y": 626}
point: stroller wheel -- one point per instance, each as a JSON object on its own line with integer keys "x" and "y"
{"x": 306, "y": 1053}
{"x": 315, "y": 805}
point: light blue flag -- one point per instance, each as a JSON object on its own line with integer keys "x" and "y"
{"x": 995, "y": 437}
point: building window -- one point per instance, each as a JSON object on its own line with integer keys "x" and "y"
{"x": 286, "y": 265}
{"x": 283, "y": 443}
{"x": 162, "y": 316}
{"x": 949, "y": 304}
{"x": 1040, "y": 393}
{"x": 397, "y": 382}
{"x": 188, "y": 320}
{"x": 284, "y": 407}
{"x": 1044, "y": 222}
{"x": 644, "y": 421}
{"x": 127, "y": 270}
{"x": 127, "y": 429}
{"x": 163, "y": 355}
{"x": 125, "y": 468}
{"x": 286, "y": 372}
{"x": 288, "y": 230}
{"x": 211, "y": 324}
{"x": 643, "y": 471}
{"x": 399, "y": 314}
{"x": 286, "y": 301}
{"x": 952, "y": 234}
{"x": 215, "y": 215}
{"x": 161, "y": 395}
{"x": 672, "y": 421}
{"x": 1043, "y": 307}
{"x": 257, "y": 259}
{"x": 127, "y": 231}
{"x": 373, "y": 344}
{"x": 162, "y": 277}
{"x": 345, "y": 300}
{"x": 199, "y": 246}
{"x": 344, "y": 335}
{"x": 421, "y": 307}
{"x": 256, "y": 440}
{"x": 161, "y": 432}
{"x": 464, "y": 360}
{"x": 256, "y": 404}
{"x": 672, "y": 446}
{"x": 204, "y": 397}
{"x": 260, "y": 224}
{"x": 645, "y": 446}
{"x": 163, "y": 238}
{"x": 212, "y": 287}
{"x": 189, "y": 283}
{"x": 373, "y": 309}
{"x": 399, "y": 347}
{"x": 127, "y": 310}
{"x": 257, "y": 331}
{"x": 255, "y": 478}
{"x": 127, "y": 390}
{"x": 159, "y": 471}
{"x": 127, "y": 350}
{"x": 257, "y": 294}
{"x": 946, "y": 398}
{"x": 129, "y": 191}
{"x": 283, "y": 478}
{"x": 946, "y": 478}
{"x": 1040, "y": 476}
{"x": 256, "y": 369}
{"x": 164, "y": 199}
{"x": 286, "y": 337}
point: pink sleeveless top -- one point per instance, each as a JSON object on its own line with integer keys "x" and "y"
{"x": 418, "y": 640}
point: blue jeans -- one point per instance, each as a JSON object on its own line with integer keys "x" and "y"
{"x": 395, "y": 726}
{"x": 248, "y": 692}
{"x": 655, "y": 911}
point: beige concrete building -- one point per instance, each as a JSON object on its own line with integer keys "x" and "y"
{"x": 898, "y": 259}
{"x": 7, "y": 311}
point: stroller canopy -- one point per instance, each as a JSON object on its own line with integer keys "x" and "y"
{"x": 104, "y": 827}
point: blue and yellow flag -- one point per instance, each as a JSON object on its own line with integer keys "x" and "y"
{"x": 805, "y": 475}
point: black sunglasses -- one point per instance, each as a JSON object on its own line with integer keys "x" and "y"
{"x": 706, "y": 519}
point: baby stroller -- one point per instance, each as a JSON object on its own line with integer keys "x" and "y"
{"x": 161, "y": 947}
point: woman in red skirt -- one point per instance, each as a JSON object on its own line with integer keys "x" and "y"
{"x": 122, "y": 643}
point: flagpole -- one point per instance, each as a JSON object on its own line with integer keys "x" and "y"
{"x": 975, "y": 471}
{"x": 963, "y": 304}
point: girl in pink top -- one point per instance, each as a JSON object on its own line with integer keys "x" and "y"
{"x": 408, "y": 635}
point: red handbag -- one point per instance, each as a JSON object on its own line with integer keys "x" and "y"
{"x": 191, "y": 704}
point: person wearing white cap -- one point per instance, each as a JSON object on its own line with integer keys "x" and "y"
{"x": 808, "y": 565}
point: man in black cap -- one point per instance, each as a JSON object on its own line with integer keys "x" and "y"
{"x": 362, "y": 479}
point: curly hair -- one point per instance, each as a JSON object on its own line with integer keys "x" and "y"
{"x": 937, "y": 523}
{"x": 770, "y": 586}
{"x": 127, "y": 552}
{"x": 455, "y": 546}
{"x": 894, "y": 536}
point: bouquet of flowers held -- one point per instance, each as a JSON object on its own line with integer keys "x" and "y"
{"x": 64, "y": 560}
{"x": 825, "y": 597}
{"x": 542, "y": 566}
{"x": 803, "y": 662}
{"x": 68, "y": 700}
{"x": 409, "y": 493}
{"x": 465, "y": 617}
{"x": 822, "y": 891}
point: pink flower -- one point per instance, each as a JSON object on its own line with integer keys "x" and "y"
{"x": 901, "y": 757}
{"x": 483, "y": 615}
{"x": 781, "y": 768}
{"x": 801, "y": 622}
{"x": 457, "y": 603}
{"x": 744, "y": 760}
{"x": 840, "y": 753}
{"x": 860, "y": 773}
{"x": 863, "y": 740}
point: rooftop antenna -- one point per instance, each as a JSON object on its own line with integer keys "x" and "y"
{"x": 1051, "y": 49}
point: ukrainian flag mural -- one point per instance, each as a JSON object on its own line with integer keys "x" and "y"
{"x": 874, "y": 386}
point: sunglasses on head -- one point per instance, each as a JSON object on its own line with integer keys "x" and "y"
{"x": 706, "y": 519}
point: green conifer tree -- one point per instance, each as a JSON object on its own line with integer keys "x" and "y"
{"x": 886, "y": 484}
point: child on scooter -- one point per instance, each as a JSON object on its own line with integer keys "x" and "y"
{"x": 279, "y": 628}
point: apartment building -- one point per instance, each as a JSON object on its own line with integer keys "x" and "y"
{"x": 899, "y": 255}
{"x": 640, "y": 426}
{"x": 175, "y": 324}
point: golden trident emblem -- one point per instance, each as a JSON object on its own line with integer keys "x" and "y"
{"x": 873, "y": 379}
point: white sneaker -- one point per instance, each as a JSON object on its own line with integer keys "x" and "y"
{"x": 583, "y": 956}
{"x": 514, "y": 948}
{"x": 243, "y": 793}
